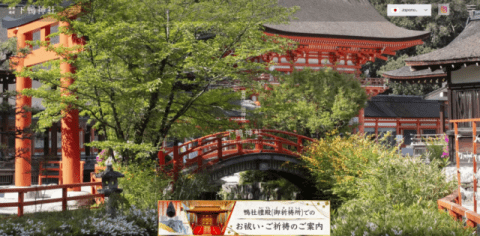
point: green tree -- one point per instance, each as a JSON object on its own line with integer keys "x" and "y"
{"x": 7, "y": 50}
{"x": 411, "y": 89}
{"x": 311, "y": 102}
{"x": 394, "y": 63}
{"x": 443, "y": 30}
{"x": 152, "y": 69}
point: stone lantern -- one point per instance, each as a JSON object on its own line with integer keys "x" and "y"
{"x": 110, "y": 184}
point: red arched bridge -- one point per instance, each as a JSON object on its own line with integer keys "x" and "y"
{"x": 225, "y": 153}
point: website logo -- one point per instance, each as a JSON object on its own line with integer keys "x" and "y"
{"x": 444, "y": 9}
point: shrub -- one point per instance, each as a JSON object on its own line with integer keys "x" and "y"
{"x": 375, "y": 191}
{"x": 437, "y": 148}
{"x": 399, "y": 180}
{"x": 337, "y": 162}
{"x": 271, "y": 184}
{"x": 397, "y": 196}
{"x": 132, "y": 221}
{"x": 191, "y": 187}
{"x": 142, "y": 185}
{"x": 370, "y": 218}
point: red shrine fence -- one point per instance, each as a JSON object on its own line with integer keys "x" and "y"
{"x": 206, "y": 151}
{"x": 453, "y": 202}
{"x": 64, "y": 199}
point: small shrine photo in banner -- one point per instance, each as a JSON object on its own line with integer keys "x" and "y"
{"x": 195, "y": 217}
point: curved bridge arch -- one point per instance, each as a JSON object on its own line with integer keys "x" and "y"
{"x": 223, "y": 154}
{"x": 257, "y": 161}
{"x": 279, "y": 164}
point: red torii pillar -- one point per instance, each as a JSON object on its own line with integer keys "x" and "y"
{"x": 361, "y": 121}
{"x": 70, "y": 125}
{"x": 23, "y": 119}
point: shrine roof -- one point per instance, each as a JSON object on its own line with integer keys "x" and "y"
{"x": 406, "y": 73}
{"x": 402, "y": 106}
{"x": 436, "y": 94}
{"x": 342, "y": 19}
{"x": 464, "y": 48}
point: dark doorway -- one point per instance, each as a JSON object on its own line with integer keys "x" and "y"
{"x": 408, "y": 135}
{"x": 429, "y": 131}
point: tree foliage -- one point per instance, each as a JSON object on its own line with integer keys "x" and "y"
{"x": 7, "y": 50}
{"x": 338, "y": 162}
{"x": 398, "y": 196}
{"x": 272, "y": 183}
{"x": 152, "y": 69}
{"x": 311, "y": 102}
{"x": 374, "y": 191}
{"x": 443, "y": 30}
{"x": 411, "y": 89}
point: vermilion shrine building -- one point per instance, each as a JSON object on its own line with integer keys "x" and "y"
{"x": 343, "y": 35}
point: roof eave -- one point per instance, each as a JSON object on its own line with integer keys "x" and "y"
{"x": 415, "y": 77}
{"x": 442, "y": 62}
{"x": 423, "y": 36}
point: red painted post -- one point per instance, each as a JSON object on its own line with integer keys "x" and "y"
{"x": 398, "y": 126}
{"x": 60, "y": 173}
{"x": 418, "y": 126}
{"x": 70, "y": 128}
{"x": 280, "y": 146}
{"x": 82, "y": 165}
{"x": 277, "y": 144}
{"x": 455, "y": 125}
{"x": 470, "y": 223}
{"x": 219, "y": 148}
{"x": 92, "y": 179}
{"x": 161, "y": 159}
{"x": 64, "y": 199}
{"x": 299, "y": 143}
{"x": 239, "y": 145}
{"x": 361, "y": 121}
{"x": 199, "y": 155}
{"x": 20, "y": 203}
{"x": 175, "y": 160}
{"x": 259, "y": 144}
{"x": 40, "y": 173}
{"x": 23, "y": 119}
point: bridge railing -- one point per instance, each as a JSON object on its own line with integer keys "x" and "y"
{"x": 64, "y": 199}
{"x": 220, "y": 146}
{"x": 450, "y": 205}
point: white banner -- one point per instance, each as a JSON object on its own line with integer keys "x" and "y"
{"x": 230, "y": 217}
{"x": 280, "y": 218}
